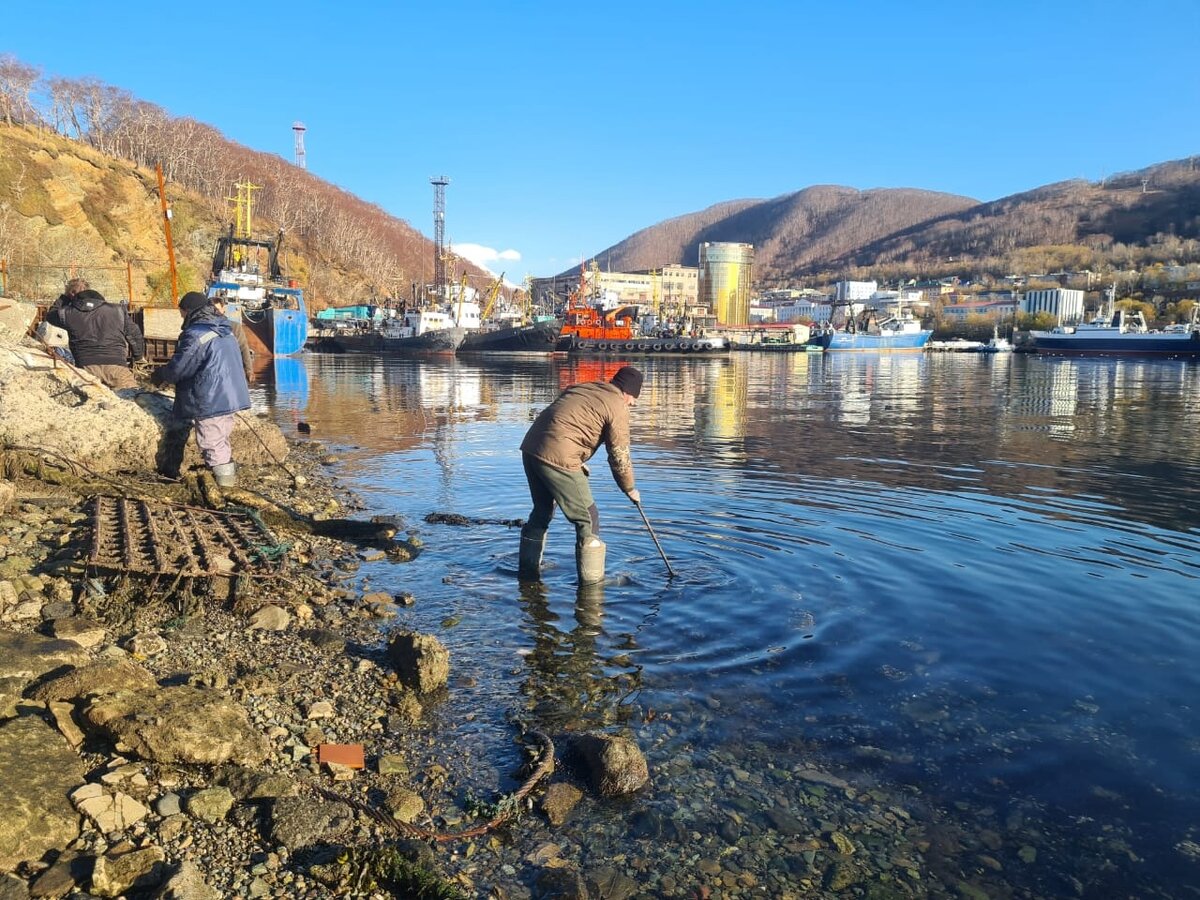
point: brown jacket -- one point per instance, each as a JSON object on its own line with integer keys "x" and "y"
{"x": 571, "y": 429}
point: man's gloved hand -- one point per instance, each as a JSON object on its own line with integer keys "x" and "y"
{"x": 636, "y": 496}
{"x": 156, "y": 378}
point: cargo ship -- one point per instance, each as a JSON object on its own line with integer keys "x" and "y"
{"x": 1122, "y": 334}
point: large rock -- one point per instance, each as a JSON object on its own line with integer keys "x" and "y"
{"x": 613, "y": 765}
{"x": 297, "y": 822}
{"x": 116, "y": 875}
{"x": 30, "y": 656}
{"x": 107, "y": 675}
{"x": 179, "y": 725}
{"x": 256, "y": 441}
{"x": 37, "y": 773}
{"x": 48, "y": 404}
{"x": 186, "y": 882}
{"x": 421, "y": 660}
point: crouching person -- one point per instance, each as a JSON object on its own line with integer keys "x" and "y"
{"x": 210, "y": 386}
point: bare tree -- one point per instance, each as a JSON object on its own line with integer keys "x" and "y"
{"x": 16, "y": 87}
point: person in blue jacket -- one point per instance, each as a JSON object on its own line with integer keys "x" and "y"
{"x": 210, "y": 385}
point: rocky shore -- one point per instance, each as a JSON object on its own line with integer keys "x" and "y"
{"x": 219, "y": 736}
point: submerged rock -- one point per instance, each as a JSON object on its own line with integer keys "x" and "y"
{"x": 613, "y": 765}
{"x": 560, "y": 799}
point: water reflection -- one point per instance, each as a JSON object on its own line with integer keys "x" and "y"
{"x": 971, "y": 580}
{"x": 569, "y": 686}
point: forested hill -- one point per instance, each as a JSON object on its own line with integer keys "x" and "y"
{"x": 827, "y": 232}
{"x": 77, "y": 187}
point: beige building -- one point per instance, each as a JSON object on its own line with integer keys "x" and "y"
{"x": 726, "y": 272}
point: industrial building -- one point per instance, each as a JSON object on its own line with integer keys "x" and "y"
{"x": 726, "y": 271}
{"x": 1063, "y": 303}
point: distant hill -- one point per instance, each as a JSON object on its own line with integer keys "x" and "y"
{"x": 828, "y": 232}
{"x": 789, "y": 233}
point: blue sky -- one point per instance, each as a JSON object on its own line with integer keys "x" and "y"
{"x": 566, "y": 127}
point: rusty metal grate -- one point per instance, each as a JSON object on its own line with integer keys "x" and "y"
{"x": 161, "y": 539}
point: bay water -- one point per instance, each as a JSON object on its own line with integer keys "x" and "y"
{"x": 958, "y": 595}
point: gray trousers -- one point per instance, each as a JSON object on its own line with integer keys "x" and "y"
{"x": 212, "y": 437}
{"x": 570, "y": 490}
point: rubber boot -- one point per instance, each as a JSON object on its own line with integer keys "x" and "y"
{"x": 225, "y": 475}
{"x": 589, "y": 561}
{"x": 529, "y": 560}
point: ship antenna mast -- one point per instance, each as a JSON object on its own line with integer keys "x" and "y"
{"x": 439, "y": 235}
{"x": 298, "y": 129}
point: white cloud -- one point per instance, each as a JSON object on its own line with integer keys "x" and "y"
{"x": 483, "y": 256}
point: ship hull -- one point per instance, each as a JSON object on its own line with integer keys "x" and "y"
{"x": 440, "y": 341}
{"x": 1165, "y": 346}
{"x": 276, "y": 331}
{"x": 541, "y": 337}
{"x": 844, "y": 341}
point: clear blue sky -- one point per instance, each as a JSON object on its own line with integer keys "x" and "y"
{"x": 566, "y": 127}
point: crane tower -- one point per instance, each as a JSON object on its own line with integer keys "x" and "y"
{"x": 298, "y": 129}
{"x": 439, "y": 235}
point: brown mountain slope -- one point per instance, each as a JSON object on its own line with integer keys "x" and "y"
{"x": 789, "y": 233}
{"x": 1150, "y": 215}
{"x": 1159, "y": 205}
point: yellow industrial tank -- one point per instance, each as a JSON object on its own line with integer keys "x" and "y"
{"x": 726, "y": 270}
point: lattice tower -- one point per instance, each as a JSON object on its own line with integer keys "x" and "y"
{"x": 439, "y": 236}
{"x": 298, "y": 129}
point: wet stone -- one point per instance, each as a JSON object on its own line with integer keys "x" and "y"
{"x": 560, "y": 799}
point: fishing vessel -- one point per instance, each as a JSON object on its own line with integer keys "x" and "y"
{"x": 899, "y": 333}
{"x": 425, "y": 330}
{"x": 1121, "y": 333}
{"x": 246, "y": 275}
{"x": 510, "y": 329}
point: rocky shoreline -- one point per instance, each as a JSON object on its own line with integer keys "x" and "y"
{"x": 171, "y": 748}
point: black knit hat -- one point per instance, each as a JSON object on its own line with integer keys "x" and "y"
{"x": 192, "y": 301}
{"x": 629, "y": 380}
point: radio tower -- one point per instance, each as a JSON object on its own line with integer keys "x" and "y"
{"x": 299, "y": 129}
{"x": 439, "y": 236}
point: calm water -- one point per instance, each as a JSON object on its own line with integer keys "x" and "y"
{"x": 969, "y": 581}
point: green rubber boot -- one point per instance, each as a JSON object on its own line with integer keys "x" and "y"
{"x": 589, "y": 561}
{"x": 529, "y": 560}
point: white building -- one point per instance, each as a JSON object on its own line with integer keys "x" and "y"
{"x": 849, "y": 291}
{"x": 1063, "y": 303}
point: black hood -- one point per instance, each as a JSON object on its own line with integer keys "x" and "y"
{"x": 86, "y": 301}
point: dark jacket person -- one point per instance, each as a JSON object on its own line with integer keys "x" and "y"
{"x": 210, "y": 386}
{"x": 102, "y": 337}
{"x": 555, "y": 451}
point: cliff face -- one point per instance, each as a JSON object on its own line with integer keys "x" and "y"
{"x": 66, "y": 208}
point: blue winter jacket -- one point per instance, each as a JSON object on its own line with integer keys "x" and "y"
{"x": 206, "y": 368}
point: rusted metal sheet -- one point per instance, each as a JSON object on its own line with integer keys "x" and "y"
{"x": 163, "y": 539}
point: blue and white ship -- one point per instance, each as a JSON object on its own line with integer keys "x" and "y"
{"x": 900, "y": 333}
